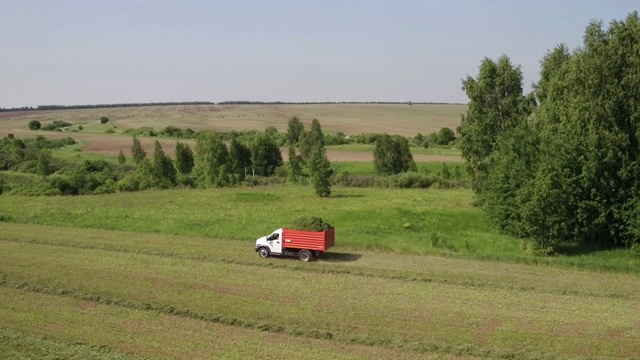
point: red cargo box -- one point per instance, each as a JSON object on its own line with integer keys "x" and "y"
{"x": 309, "y": 240}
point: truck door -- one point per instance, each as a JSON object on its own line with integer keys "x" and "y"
{"x": 275, "y": 242}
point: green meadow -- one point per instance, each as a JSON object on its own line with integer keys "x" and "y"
{"x": 414, "y": 274}
{"x": 124, "y": 294}
{"x": 441, "y": 222}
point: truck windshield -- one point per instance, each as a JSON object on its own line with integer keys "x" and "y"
{"x": 273, "y": 237}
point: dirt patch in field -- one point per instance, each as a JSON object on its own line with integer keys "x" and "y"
{"x": 89, "y": 305}
{"x": 104, "y": 144}
{"x": 113, "y": 145}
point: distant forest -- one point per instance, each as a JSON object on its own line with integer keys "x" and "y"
{"x": 99, "y": 106}
{"x": 235, "y": 102}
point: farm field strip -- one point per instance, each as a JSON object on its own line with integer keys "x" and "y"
{"x": 295, "y": 334}
{"x": 347, "y": 118}
{"x": 111, "y": 144}
{"x": 407, "y": 268}
{"x": 380, "y": 311}
{"x": 72, "y": 328}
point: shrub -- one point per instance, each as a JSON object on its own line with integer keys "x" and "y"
{"x": 336, "y": 139}
{"x": 176, "y": 132}
{"x": 444, "y": 172}
{"x": 63, "y": 142}
{"x": 131, "y": 182}
{"x": 413, "y": 180}
{"x": 104, "y": 120}
{"x": 33, "y": 187}
{"x": 34, "y": 125}
{"x": 109, "y": 187}
{"x": 56, "y": 125}
{"x": 391, "y": 155}
{"x": 446, "y": 136}
{"x": 361, "y": 181}
{"x": 28, "y": 166}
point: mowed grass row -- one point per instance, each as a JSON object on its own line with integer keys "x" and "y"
{"x": 400, "y": 267}
{"x": 46, "y": 326}
{"x": 342, "y": 307}
{"x": 433, "y": 221}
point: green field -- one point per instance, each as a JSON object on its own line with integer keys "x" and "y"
{"x": 433, "y": 221}
{"x": 119, "y": 293}
{"x": 173, "y": 274}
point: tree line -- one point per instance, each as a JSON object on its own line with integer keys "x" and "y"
{"x": 232, "y": 102}
{"x": 246, "y": 102}
{"x": 218, "y": 160}
{"x": 98, "y": 106}
{"x": 561, "y": 164}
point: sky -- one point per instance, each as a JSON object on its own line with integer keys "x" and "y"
{"x": 99, "y": 52}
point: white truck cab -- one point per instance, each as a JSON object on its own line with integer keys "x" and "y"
{"x": 271, "y": 243}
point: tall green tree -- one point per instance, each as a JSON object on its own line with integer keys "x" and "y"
{"x": 570, "y": 171}
{"x": 211, "y": 163}
{"x": 392, "y": 155}
{"x": 294, "y": 129}
{"x": 317, "y": 137}
{"x": 265, "y": 155}
{"x": 239, "y": 158}
{"x": 162, "y": 170}
{"x": 310, "y": 139}
{"x": 496, "y": 105}
{"x": 137, "y": 152}
{"x": 295, "y": 164}
{"x": 184, "y": 158}
{"x": 306, "y": 145}
{"x": 589, "y": 130}
{"x": 513, "y": 166}
{"x": 121, "y": 158}
{"x": 320, "y": 171}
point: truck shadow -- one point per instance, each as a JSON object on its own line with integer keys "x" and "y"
{"x": 338, "y": 257}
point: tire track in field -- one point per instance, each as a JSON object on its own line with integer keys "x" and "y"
{"x": 310, "y": 333}
{"x": 393, "y": 275}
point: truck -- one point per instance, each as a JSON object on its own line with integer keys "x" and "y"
{"x": 306, "y": 245}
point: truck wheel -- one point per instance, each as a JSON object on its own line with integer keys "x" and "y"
{"x": 263, "y": 252}
{"x": 305, "y": 255}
